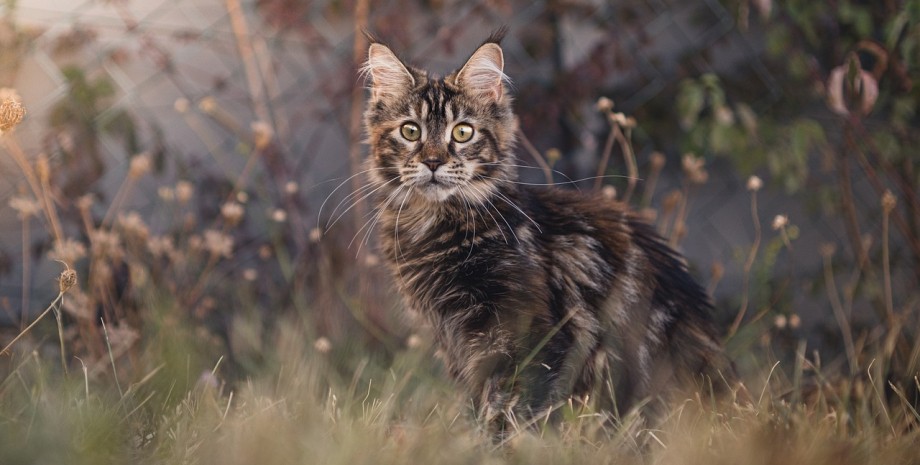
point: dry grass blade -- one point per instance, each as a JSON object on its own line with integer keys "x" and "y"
{"x": 66, "y": 281}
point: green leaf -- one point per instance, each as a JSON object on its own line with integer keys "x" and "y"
{"x": 690, "y": 102}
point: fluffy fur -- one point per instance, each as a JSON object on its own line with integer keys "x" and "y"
{"x": 534, "y": 295}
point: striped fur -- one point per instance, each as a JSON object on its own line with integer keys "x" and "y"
{"x": 534, "y": 295}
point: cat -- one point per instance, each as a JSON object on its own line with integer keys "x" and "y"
{"x": 534, "y": 295}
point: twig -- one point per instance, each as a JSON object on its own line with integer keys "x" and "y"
{"x": 849, "y": 207}
{"x": 108, "y": 345}
{"x": 888, "y": 204}
{"x": 35, "y": 184}
{"x": 60, "y": 328}
{"x": 632, "y": 171}
{"x": 250, "y": 67}
{"x": 25, "y": 331}
{"x": 26, "y": 269}
{"x": 535, "y": 154}
{"x": 748, "y": 266}
{"x": 362, "y": 9}
{"x": 842, "y": 320}
{"x": 605, "y": 155}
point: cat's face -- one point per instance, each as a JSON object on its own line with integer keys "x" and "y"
{"x": 439, "y": 139}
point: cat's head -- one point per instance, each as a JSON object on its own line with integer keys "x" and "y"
{"x": 440, "y": 138}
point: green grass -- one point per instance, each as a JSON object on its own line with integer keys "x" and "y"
{"x": 173, "y": 404}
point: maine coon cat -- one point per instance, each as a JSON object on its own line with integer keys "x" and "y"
{"x": 534, "y": 294}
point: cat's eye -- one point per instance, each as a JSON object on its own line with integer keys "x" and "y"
{"x": 411, "y": 131}
{"x": 462, "y": 132}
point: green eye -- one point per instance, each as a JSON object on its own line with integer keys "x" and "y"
{"x": 462, "y": 132}
{"x": 410, "y": 131}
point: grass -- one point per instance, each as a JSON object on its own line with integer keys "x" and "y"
{"x": 309, "y": 409}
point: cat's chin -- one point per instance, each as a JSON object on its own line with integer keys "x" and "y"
{"x": 437, "y": 192}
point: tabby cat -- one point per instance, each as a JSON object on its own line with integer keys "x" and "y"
{"x": 535, "y": 294}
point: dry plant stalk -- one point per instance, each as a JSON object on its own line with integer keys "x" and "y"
{"x": 754, "y": 184}
{"x": 11, "y": 114}
{"x": 66, "y": 281}
{"x": 535, "y": 154}
{"x": 250, "y": 67}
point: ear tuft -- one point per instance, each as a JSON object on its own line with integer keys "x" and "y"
{"x": 389, "y": 77}
{"x": 483, "y": 73}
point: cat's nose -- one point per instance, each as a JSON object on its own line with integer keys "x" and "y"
{"x": 433, "y": 163}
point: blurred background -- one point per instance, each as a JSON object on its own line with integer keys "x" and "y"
{"x": 190, "y": 159}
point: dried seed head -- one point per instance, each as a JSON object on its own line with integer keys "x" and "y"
{"x": 724, "y": 115}
{"x": 414, "y": 341}
{"x": 889, "y": 201}
{"x": 166, "y": 193}
{"x": 67, "y": 251}
{"x": 291, "y": 188}
{"x": 11, "y": 112}
{"x": 279, "y": 216}
{"x": 316, "y": 235}
{"x": 322, "y": 345}
{"x": 184, "y": 192}
{"x": 763, "y": 7}
{"x": 754, "y": 184}
{"x": 553, "y": 155}
{"x": 371, "y": 260}
{"x": 795, "y": 321}
{"x": 133, "y": 226}
{"x": 604, "y": 104}
{"x": 780, "y": 221}
{"x": 181, "y": 105}
{"x": 657, "y": 160}
{"x": 693, "y": 168}
{"x": 85, "y": 201}
{"x": 106, "y": 245}
{"x": 208, "y": 105}
{"x": 160, "y": 246}
{"x": 780, "y": 321}
{"x": 68, "y": 278}
{"x": 232, "y": 212}
{"x": 25, "y": 206}
{"x": 609, "y": 192}
{"x": 619, "y": 118}
{"x": 140, "y": 165}
{"x": 262, "y": 134}
{"x": 218, "y": 243}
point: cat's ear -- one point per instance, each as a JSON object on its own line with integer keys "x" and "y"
{"x": 389, "y": 77}
{"x": 483, "y": 73}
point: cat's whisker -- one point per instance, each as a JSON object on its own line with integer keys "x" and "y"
{"x": 469, "y": 220}
{"x": 573, "y": 182}
{"x": 560, "y": 173}
{"x": 486, "y": 208}
{"x": 509, "y": 202}
{"x": 396, "y": 233}
{"x": 320, "y": 212}
{"x": 348, "y": 198}
{"x": 356, "y": 202}
{"x": 374, "y": 216}
{"x": 380, "y": 213}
